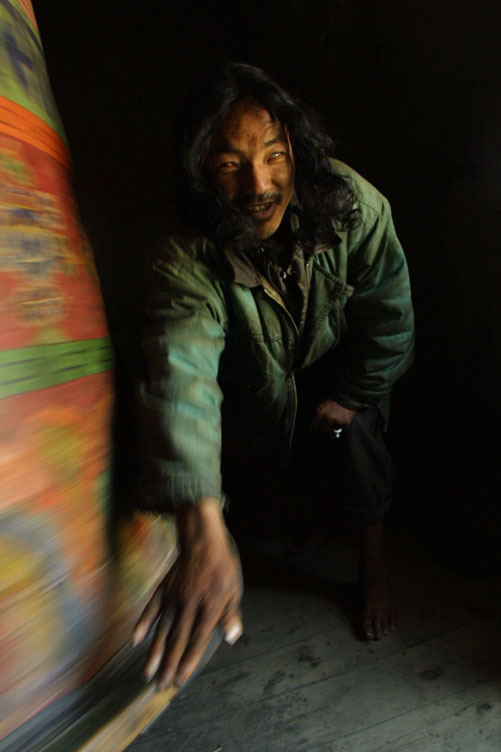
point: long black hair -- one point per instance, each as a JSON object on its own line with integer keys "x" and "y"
{"x": 320, "y": 195}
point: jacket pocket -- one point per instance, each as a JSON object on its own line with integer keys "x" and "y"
{"x": 328, "y": 296}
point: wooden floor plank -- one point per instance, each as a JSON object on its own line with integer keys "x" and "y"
{"x": 299, "y": 681}
{"x": 475, "y": 725}
{"x": 466, "y": 714}
{"x": 326, "y": 708}
{"x": 327, "y": 657}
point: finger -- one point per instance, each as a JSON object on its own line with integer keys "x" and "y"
{"x": 147, "y": 618}
{"x": 232, "y": 626}
{"x": 178, "y": 639}
{"x": 320, "y": 423}
{"x": 157, "y": 648}
{"x": 326, "y": 425}
{"x": 197, "y": 645}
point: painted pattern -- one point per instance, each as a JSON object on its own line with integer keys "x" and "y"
{"x": 70, "y": 585}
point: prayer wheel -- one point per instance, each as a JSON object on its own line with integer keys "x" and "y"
{"x": 73, "y": 574}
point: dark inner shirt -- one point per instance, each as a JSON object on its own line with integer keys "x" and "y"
{"x": 284, "y": 266}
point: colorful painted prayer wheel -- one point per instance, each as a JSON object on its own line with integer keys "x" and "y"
{"x": 73, "y": 578}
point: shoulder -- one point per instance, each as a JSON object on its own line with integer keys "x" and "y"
{"x": 188, "y": 255}
{"x": 184, "y": 249}
{"x": 371, "y": 201}
{"x": 186, "y": 273}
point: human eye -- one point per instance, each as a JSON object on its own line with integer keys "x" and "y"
{"x": 275, "y": 156}
{"x": 226, "y": 166}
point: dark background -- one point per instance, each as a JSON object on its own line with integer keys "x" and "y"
{"x": 409, "y": 90}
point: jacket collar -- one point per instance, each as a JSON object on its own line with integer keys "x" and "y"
{"x": 244, "y": 269}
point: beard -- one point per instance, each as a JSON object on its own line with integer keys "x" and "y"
{"x": 232, "y": 225}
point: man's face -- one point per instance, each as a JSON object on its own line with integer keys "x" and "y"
{"x": 252, "y": 163}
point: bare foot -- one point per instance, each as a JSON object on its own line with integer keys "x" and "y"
{"x": 380, "y": 614}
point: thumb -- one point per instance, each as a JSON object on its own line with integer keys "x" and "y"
{"x": 232, "y": 626}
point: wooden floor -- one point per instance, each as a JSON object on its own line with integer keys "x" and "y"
{"x": 300, "y": 681}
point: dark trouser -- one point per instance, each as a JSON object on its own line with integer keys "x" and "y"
{"x": 352, "y": 475}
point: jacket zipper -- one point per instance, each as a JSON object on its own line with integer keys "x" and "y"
{"x": 277, "y": 298}
{"x": 308, "y": 274}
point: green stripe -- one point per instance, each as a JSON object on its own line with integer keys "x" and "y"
{"x": 41, "y": 366}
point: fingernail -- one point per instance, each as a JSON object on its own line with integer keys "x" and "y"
{"x": 137, "y": 636}
{"x": 233, "y": 634}
{"x": 151, "y": 668}
{"x": 182, "y": 676}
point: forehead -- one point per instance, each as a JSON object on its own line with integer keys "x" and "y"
{"x": 248, "y": 124}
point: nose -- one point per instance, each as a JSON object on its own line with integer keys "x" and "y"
{"x": 257, "y": 179}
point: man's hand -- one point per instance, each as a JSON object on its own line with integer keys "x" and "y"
{"x": 203, "y": 589}
{"x": 329, "y": 414}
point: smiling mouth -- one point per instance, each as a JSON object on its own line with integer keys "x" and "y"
{"x": 261, "y": 211}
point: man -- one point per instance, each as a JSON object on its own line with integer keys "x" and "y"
{"x": 280, "y": 318}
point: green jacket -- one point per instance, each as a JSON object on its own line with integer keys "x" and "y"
{"x": 211, "y": 338}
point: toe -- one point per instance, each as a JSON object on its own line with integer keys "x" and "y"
{"x": 367, "y": 629}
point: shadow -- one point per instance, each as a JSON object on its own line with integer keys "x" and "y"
{"x": 288, "y": 571}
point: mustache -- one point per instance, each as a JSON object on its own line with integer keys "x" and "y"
{"x": 252, "y": 199}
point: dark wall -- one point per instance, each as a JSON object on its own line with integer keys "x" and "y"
{"x": 409, "y": 89}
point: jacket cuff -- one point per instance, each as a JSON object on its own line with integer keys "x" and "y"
{"x": 169, "y": 495}
{"x": 349, "y": 402}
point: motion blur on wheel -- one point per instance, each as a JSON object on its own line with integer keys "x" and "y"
{"x": 74, "y": 574}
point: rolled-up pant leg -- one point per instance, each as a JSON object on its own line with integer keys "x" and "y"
{"x": 355, "y": 472}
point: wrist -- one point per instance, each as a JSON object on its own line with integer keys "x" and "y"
{"x": 349, "y": 402}
{"x": 202, "y": 520}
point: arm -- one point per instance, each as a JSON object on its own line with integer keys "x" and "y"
{"x": 377, "y": 347}
{"x": 180, "y": 406}
{"x": 180, "y": 399}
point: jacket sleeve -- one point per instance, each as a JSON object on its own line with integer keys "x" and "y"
{"x": 180, "y": 400}
{"x": 377, "y": 346}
